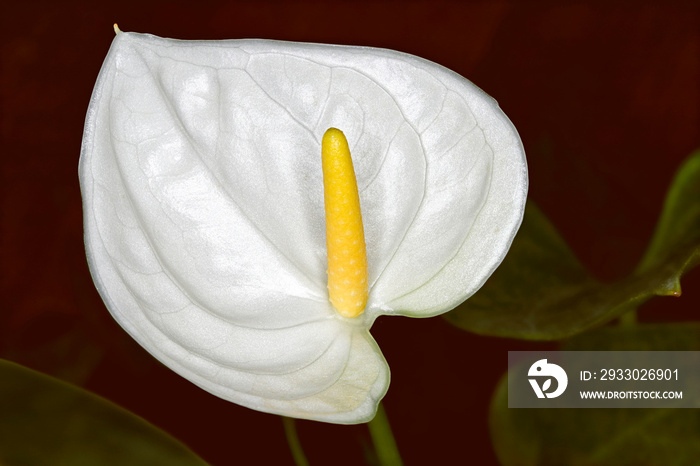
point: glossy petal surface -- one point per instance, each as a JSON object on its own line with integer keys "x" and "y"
{"x": 204, "y": 218}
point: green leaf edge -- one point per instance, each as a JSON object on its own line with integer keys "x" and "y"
{"x": 681, "y": 262}
{"x": 688, "y": 172}
{"x": 54, "y": 383}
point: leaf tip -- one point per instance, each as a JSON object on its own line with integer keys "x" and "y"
{"x": 670, "y": 288}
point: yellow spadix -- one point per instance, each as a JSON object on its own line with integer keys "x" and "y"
{"x": 345, "y": 236}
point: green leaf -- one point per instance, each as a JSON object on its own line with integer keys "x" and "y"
{"x": 46, "y": 421}
{"x": 542, "y": 292}
{"x": 677, "y": 236}
{"x": 669, "y": 437}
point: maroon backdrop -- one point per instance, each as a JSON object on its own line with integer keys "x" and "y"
{"x": 607, "y": 102}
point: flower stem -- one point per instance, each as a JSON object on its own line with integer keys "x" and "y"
{"x": 290, "y": 431}
{"x": 383, "y": 439}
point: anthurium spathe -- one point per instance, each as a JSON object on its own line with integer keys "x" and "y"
{"x": 204, "y": 213}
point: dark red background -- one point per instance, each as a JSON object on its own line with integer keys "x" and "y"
{"x": 606, "y": 97}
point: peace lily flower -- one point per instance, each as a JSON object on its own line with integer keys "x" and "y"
{"x": 205, "y": 225}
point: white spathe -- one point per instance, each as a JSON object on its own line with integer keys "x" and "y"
{"x": 204, "y": 222}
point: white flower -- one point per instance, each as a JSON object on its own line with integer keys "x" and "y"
{"x": 204, "y": 219}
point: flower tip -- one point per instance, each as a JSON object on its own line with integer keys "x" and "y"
{"x": 116, "y": 29}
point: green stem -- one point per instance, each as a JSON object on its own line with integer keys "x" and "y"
{"x": 290, "y": 431}
{"x": 383, "y": 439}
